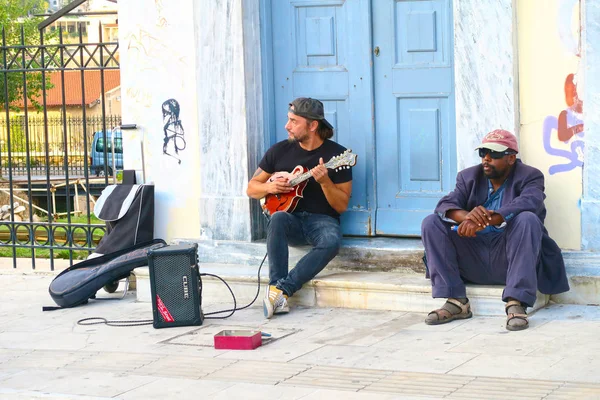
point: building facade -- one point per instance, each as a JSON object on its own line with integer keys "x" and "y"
{"x": 410, "y": 86}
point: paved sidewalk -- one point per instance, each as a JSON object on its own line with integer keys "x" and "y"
{"x": 315, "y": 354}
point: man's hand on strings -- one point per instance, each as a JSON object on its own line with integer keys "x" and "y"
{"x": 320, "y": 173}
{"x": 279, "y": 182}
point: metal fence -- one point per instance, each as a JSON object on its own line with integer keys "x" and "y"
{"x": 46, "y": 191}
{"x": 36, "y": 126}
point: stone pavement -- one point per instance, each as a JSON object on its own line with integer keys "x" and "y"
{"x": 315, "y": 353}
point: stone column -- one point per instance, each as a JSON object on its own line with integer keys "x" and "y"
{"x": 229, "y": 114}
{"x": 485, "y": 63}
{"x": 590, "y": 203}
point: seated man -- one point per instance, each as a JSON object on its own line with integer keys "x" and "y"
{"x": 489, "y": 230}
{"x": 315, "y": 219}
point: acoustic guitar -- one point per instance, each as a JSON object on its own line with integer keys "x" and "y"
{"x": 287, "y": 202}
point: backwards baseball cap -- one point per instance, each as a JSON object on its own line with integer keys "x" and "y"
{"x": 499, "y": 140}
{"x": 309, "y": 108}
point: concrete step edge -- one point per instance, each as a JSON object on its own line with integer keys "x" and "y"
{"x": 345, "y": 290}
{"x": 373, "y": 281}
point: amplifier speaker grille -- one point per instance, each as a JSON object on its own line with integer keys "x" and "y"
{"x": 175, "y": 286}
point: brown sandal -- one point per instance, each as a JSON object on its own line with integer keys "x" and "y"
{"x": 445, "y": 314}
{"x": 518, "y": 316}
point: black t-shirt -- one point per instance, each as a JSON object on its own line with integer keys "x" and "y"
{"x": 285, "y": 156}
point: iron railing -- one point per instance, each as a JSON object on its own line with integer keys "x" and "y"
{"x": 44, "y": 160}
{"x": 37, "y": 144}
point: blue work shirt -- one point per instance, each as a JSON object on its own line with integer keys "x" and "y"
{"x": 493, "y": 202}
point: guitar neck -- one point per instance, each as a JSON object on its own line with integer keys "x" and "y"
{"x": 300, "y": 178}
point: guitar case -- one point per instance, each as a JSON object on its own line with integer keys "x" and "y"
{"x": 80, "y": 282}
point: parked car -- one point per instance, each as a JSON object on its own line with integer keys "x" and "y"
{"x": 97, "y": 153}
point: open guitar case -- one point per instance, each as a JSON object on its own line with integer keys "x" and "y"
{"x": 128, "y": 211}
{"x": 80, "y": 282}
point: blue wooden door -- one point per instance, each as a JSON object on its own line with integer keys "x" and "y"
{"x": 414, "y": 111}
{"x": 322, "y": 49}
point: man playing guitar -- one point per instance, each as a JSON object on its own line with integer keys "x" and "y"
{"x": 315, "y": 218}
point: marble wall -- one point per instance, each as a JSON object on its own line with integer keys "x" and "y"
{"x": 210, "y": 61}
{"x": 225, "y": 117}
{"x": 485, "y": 69}
{"x": 590, "y": 205}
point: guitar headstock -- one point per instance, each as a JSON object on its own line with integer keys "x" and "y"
{"x": 346, "y": 159}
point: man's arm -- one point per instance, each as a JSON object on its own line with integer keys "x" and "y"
{"x": 475, "y": 220}
{"x": 456, "y": 200}
{"x": 258, "y": 187}
{"x": 337, "y": 194}
{"x": 453, "y": 206}
{"x": 480, "y": 215}
{"x": 531, "y": 198}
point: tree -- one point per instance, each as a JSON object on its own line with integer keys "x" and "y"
{"x": 20, "y": 27}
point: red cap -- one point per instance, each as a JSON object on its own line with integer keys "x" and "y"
{"x": 499, "y": 140}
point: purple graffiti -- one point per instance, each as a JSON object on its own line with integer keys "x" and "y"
{"x": 575, "y": 155}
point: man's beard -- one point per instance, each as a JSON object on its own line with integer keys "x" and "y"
{"x": 493, "y": 172}
{"x": 300, "y": 139}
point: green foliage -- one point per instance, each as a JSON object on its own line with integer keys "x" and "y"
{"x": 20, "y": 28}
{"x": 43, "y": 253}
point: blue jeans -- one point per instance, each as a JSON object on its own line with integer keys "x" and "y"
{"x": 321, "y": 231}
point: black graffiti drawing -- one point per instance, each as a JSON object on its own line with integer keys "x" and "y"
{"x": 173, "y": 129}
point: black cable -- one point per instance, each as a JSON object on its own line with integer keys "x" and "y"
{"x": 234, "y": 309}
{"x": 101, "y": 320}
{"x": 231, "y": 311}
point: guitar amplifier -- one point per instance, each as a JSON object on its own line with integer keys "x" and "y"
{"x": 175, "y": 286}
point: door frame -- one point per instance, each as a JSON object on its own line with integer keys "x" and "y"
{"x": 267, "y": 75}
{"x": 268, "y": 100}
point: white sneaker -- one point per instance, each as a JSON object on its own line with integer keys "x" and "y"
{"x": 275, "y": 302}
{"x": 282, "y": 307}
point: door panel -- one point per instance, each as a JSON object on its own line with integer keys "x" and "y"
{"x": 414, "y": 111}
{"x": 321, "y": 49}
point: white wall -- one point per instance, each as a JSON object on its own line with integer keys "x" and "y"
{"x": 158, "y": 62}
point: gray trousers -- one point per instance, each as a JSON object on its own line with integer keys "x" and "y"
{"x": 505, "y": 258}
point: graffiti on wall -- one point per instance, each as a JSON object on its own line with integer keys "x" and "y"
{"x": 161, "y": 19}
{"x": 568, "y": 126}
{"x": 172, "y": 129}
{"x": 152, "y": 56}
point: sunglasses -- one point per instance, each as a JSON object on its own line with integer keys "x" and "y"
{"x": 496, "y": 155}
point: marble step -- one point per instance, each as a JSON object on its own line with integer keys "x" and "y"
{"x": 377, "y": 273}
{"x": 356, "y": 254}
{"x": 583, "y": 271}
{"x": 368, "y": 290}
